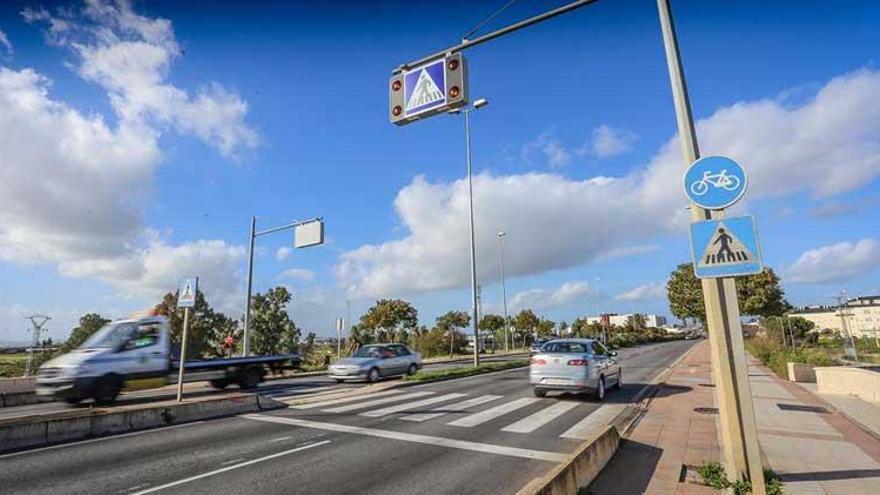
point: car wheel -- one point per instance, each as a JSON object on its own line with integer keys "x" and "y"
{"x": 618, "y": 383}
{"x": 373, "y": 375}
{"x": 540, "y": 393}
{"x": 106, "y": 390}
{"x": 412, "y": 370}
{"x": 339, "y": 380}
{"x": 600, "y": 389}
{"x": 73, "y": 400}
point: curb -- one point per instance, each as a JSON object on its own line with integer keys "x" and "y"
{"x": 585, "y": 464}
{"x": 24, "y": 433}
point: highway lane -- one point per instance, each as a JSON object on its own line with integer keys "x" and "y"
{"x": 275, "y": 387}
{"x": 409, "y": 440}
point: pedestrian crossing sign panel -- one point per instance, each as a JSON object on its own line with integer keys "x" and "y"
{"x": 186, "y": 296}
{"x": 726, "y": 247}
{"x": 425, "y": 89}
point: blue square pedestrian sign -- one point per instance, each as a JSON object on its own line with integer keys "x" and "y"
{"x": 726, "y": 247}
{"x": 424, "y": 88}
{"x": 186, "y": 296}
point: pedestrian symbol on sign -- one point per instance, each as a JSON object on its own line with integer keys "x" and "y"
{"x": 725, "y": 248}
{"x": 186, "y": 297}
{"x": 425, "y": 88}
{"x": 426, "y": 91}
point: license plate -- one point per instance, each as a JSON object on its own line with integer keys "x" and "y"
{"x": 556, "y": 381}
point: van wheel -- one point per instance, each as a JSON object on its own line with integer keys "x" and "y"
{"x": 540, "y": 393}
{"x": 600, "y": 389}
{"x": 106, "y": 390}
{"x": 219, "y": 384}
{"x": 249, "y": 379}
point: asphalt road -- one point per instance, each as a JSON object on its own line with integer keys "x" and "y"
{"x": 282, "y": 387}
{"x": 400, "y": 441}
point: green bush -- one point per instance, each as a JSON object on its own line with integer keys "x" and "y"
{"x": 713, "y": 475}
{"x": 777, "y": 357}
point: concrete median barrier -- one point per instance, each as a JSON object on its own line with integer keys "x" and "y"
{"x": 46, "y": 429}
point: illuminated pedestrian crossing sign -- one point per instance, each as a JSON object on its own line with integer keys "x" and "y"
{"x": 715, "y": 182}
{"x": 186, "y": 296}
{"x": 429, "y": 89}
{"x": 725, "y": 248}
{"x": 425, "y": 88}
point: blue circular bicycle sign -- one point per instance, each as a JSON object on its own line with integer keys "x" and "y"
{"x": 715, "y": 182}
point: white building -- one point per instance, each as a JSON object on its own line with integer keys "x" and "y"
{"x": 651, "y": 321}
{"x": 862, "y": 316}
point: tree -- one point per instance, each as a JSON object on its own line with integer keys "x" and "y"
{"x": 545, "y": 327}
{"x": 389, "y": 318}
{"x": 272, "y": 330}
{"x": 493, "y": 324}
{"x": 781, "y": 328}
{"x": 450, "y": 323}
{"x": 88, "y": 325}
{"x": 758, "y": 294}
{"x": 635, "y": 323}
{"x": 526, "y": 324}
{"x": 207, "y": 328}
{"x": 562, "y": 328}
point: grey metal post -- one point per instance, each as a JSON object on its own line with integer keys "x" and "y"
{"x": 504, "y": 292}
{"x": 739, "y": 430}
{"x": 467, "y": 127}
{"x": 183, "y": 339}
{"x": 246, "y": 348}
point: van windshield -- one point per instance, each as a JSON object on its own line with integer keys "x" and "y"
{"x": 110, "y": 336}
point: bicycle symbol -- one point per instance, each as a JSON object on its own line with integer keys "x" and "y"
{"x": 720, "y": 180}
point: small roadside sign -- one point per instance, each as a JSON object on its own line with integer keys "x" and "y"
{"x": 725, "y": 248}
{"x": 715, "y": 182}
{"x": 186, "y": 297}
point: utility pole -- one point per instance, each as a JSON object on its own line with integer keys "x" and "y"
{"x": 503, "y": 291}
{"x": 739, "y": 434}
{"x": 37, "y": 323}
{"x": 246, "y": 348}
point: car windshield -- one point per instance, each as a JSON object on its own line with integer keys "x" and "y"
{"x": 110, "y": 335}
{"x": 369, "y": 351}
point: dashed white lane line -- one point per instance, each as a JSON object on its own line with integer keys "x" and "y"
{"x": 542, "y": 455}
{"x": 343, "y": 400}
{"x": 457, "y": 407}
{"x": 102, "y": 439}
{"x": 230, "y": 468}
{"x": 492, "y": 413}
{"x": 371, "y": 403}
{"x": 410, "y": 405}
{"x": 533, "y": 422}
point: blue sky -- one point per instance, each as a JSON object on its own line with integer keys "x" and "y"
{"x": 190, "y": 117}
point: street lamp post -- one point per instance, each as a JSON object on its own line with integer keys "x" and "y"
{"x": 503, "y": 291}
{"x": 467, "y": 134}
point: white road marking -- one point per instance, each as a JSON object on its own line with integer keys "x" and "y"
{"x": 350, "y": 398}
{"x": 302, "y": 391}
{"x": 410, "y": 405}
{"x": 230, "y": 468}
{"x": 542, "y": 455}
{"x": 595, "y": 420}
{"x": 541, "y": 418}
{"x": 457, "y": 407}
{"x": 279, "y": 439}
{"x": 492, "y": 413}
{"x": 371, "y": 403}
{"x": 102, "y": 439}
{"x": 232, "y": 461}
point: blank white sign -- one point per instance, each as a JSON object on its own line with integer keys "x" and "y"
{"x": 309, "y": 234}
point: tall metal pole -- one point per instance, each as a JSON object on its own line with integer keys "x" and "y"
{"x": 504, "y": 291}
{"x": 250, "y": 285}
{"x": 467, "y": 127}
{"x": 739, "y": 430}
{"x": 183, "y": 339}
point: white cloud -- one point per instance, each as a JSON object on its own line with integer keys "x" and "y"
{"x": 130, "y": 56}
{"x": 538, "y": 299}
{"x": 835, "y": 263}
{"x": 73, "y": 186}
{"x": 298, "y": 274}
{"x": 283, "y": 252}
{"x": 554, "y": 222}
{"x": 6, "y": 44}
{"x": 552, "y": 150}
{"x": 644, "y": 292}
{"x": 608, "y": 141}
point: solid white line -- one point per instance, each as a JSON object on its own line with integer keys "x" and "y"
{"x": 93, "y": 440}
{"x": 410, "y": 405}
{"x": 371, "y": 403}
{"x": 541, "y": 418}
{"x": 343, "y": 400}
{"x": 232, "y": 461}
{"x": 457, "y": 407}
{"x": 230, "y": 468}
{"x": 409, "y": 437}
{"x": 490, "y": 414}
{"x": 595, "y": 420}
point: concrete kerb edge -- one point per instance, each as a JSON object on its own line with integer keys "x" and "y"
{"x": 588, "y": 461}
{"x": 48, "y": 431}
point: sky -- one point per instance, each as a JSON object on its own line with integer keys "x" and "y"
{"x": 137, "y": 140}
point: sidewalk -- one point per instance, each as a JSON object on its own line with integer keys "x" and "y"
{"x": 813, "y": 447}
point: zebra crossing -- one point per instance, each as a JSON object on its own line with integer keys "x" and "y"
{"x": 470, "y": 412}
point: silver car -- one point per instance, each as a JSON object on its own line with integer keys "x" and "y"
{"x": 376, "y": 361}
{"x": 574, "y": 365}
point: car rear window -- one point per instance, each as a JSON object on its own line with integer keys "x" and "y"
{"x": 566, "y": 347}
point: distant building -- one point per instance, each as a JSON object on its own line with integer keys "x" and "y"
{"x": 862, "y": 316}
{"x": 651, "y": 321}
